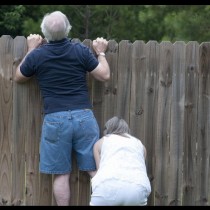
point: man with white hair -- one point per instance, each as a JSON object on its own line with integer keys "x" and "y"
{"x": 69, "y": 124}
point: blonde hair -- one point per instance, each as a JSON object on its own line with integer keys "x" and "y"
{"x": 55, "y": 26}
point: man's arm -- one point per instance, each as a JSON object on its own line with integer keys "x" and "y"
{"x": 33, "y": 41}
{"x": 102, "y": 71}
{"x": 19, "y": 77}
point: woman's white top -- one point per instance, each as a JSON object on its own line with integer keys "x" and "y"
{"x": 122, "y": 158}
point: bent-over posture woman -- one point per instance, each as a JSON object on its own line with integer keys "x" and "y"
{"x": 121, "y": 178}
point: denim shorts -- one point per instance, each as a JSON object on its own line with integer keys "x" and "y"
{"x": 66, "y": 132}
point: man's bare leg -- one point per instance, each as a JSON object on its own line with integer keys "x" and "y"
{"x": 61, "y": 189}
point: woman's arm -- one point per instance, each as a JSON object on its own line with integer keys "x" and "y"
{"x": 97, "y": 152}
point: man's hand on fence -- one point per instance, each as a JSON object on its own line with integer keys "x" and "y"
{"x": 34, "y": 41}
{"x": 100, "y": 45}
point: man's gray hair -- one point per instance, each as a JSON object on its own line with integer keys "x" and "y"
{"x": 116, "y": 125}
{"x": 55, "y": 26}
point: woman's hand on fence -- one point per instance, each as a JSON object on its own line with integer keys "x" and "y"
{"x": 34, "y": 41}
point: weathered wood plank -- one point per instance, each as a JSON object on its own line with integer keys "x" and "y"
{"x": 163, "y": 124}
{"x": 123, "y": 82}
{"x": 44, "y": 195}
{"x": 190, "y": 117}
{"x": 74, "y": 183}
{"x": 177, "y": 125}
{"x": 151, "y": 107}
{"x": 204, "y": 125}
{"x": 138, "y": 89}
{"x": 6, "y": 106}
{"x": 32, "y": 149}
{"x": 20, "y": 97}
{"x": 110, "y": 87}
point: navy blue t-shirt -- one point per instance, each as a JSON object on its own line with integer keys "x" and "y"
{"x": 60, "y": 68}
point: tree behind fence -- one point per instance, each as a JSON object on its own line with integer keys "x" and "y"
{"x": 161, "y": 89}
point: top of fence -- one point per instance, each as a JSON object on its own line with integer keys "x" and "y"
{"x": 86, "y": 41}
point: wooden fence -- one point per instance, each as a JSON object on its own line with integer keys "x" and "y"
{"x": 161, "y": 89}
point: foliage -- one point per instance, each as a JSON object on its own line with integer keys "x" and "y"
{"x": 190, "y": 24}
{"x": 118, "y": 22}
{"x": 10, "y": 19}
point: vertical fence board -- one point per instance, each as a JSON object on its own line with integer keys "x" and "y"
{"x": 204, "y": 123}
{"x": 45, "y": 190}
{"x": 74, "y": 183}
{"x": 163, "y": 124}
{"x": 190, "y": 118}
{"x": 35, "y": 193}
{"x": 110, "y": 87}
{"x": 84, "y": 189}
{"x": 20, "y": 96}
{"x": 138, "y": 88}
{"x": 123, "y": 82}
{"x": 177, "y": 125}
{"x": 6, "y": 105}
{"x": 150, "y": 107}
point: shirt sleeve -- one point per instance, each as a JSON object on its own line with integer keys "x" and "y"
{"x": 91, "y": 61}
{"x": 27, "y": 67}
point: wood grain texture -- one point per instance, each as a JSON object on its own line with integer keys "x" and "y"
{"x": 6, "y": 106}
{"x": 161, "y": 89}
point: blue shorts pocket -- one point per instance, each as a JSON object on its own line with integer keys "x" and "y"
{"x": 51, "y": 131}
